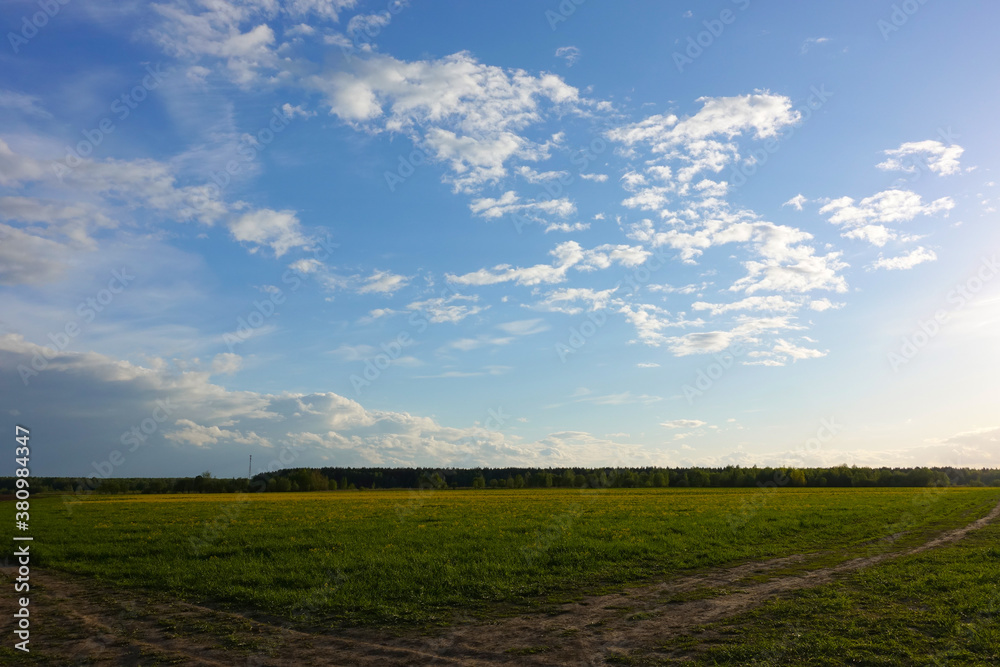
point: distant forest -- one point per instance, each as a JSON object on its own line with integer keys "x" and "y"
{"x": 361, "y": 479}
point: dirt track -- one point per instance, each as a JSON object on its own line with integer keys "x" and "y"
{"x": 76, "y": 621}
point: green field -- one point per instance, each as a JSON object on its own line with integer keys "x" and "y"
{"x": 940, "y": 607}
{"x": 396, "y": 558}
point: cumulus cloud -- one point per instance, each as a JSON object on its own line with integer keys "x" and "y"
{"x": 185, "y": 410}
{"x": 796, "y": 202}
{"x": 278, "y": 230}
{"x": 905, "y": 261}
{"x": 236, "y": 35}
{"x": 939, "y": 158}
{"x": 749, "y": 330}
{"x": 882, "y": 208}
{"x": 567, "y": 255}
{"x": 650, "y": 320}
{"x": 467, "y": 115}
{"x": 704, "y": 141}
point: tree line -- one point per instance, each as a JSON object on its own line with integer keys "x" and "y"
{"x": 351, "y": 479}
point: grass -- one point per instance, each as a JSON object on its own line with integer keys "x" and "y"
{"x": 397, "y": 558}
{"x": 940, "y": 607}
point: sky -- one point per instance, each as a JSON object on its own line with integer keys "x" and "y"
{"x": 453, "y": 234}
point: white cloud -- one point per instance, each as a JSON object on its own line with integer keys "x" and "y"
{"x": 773, "y": 303}
{"x": 510, "y": 203}
{"x": 939, "y": 158}
{"x": 291, "y": 111}
{"x": 877, "y": 235}
{"x": 820, "y": 305}
{"x": 704, "y": 141}
{"x": 564, "y": 300}
{"x": 383, "y": 282}
{"x": 907, "y": 261}
{"x": 226, "y": 363}
{"x": 368, "y": 23}
{"x": 706, "y": 342}
{"x": 188, "y": 432}
{"x": 882, "y": 208}
{"x": 682, "y": 423}
{"x": 650, "y": 320}
{"x": 570, "y": 54}
{"x": 794, "y": 352}
{"x": 524, "y": 327}
{"x": 797, "y": 202}
{"x": 748, "y": 330}
{"x": 567, "y": 255}
{"x": 453, "y": 308}
{"x": 306, "y": 266}
{"x": 788, "y": 265}
{"x": 813, "y": 41}
{"x": 566, "y": 227}
{"x": 466, "y": 114}
{"x": 236, "y": 34}
{"x": 303, "y": 429}
{"x": 25, "y": 104}
{"x": 279, "y": 230}
{"x": 532, "y": 176}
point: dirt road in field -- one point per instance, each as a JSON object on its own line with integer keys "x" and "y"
{"x": 77, "y": 621}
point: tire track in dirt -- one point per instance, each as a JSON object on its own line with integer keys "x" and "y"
{"x": 79, "y": 621}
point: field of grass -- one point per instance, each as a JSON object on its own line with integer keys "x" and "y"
{"x": 939, "y": 607}
{"x": 398, "y": 557}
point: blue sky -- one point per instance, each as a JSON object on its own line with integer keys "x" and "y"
{"x": 331, "y": 232}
